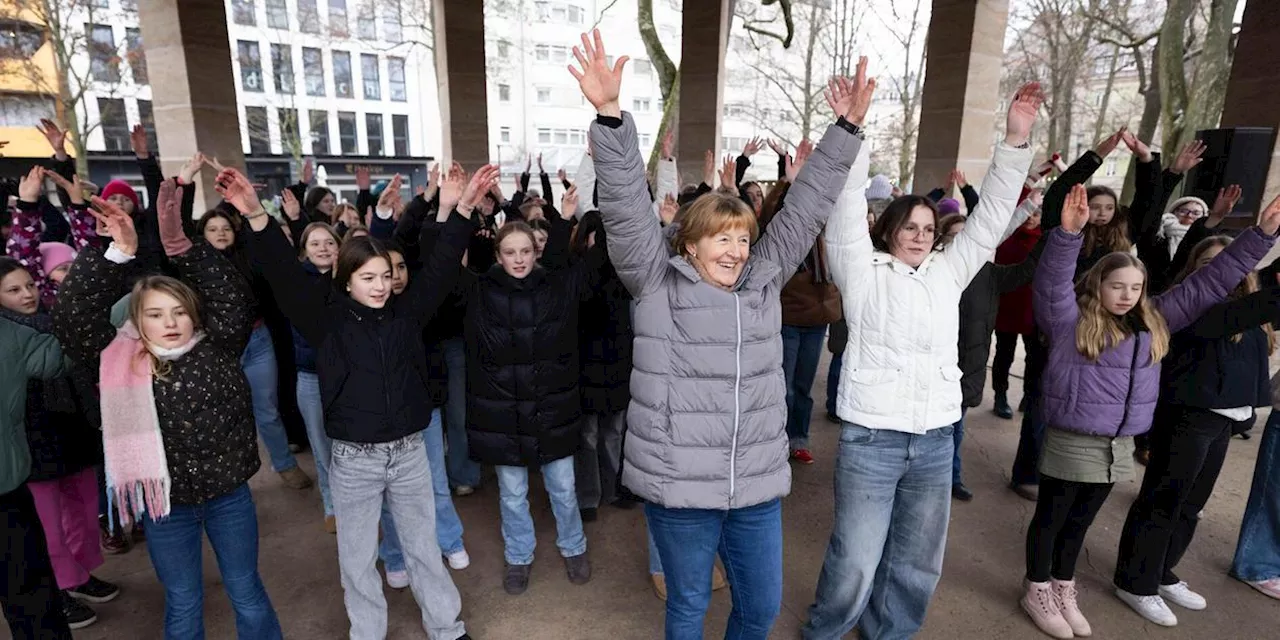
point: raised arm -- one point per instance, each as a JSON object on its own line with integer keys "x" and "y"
{"x": 1234, "y": 316}
{"x": 39, "y": 353}
{"x": 1078, "y": 173}
{"x": 82, "y": 316}
{"x": 1053, "y": 299}
{"x": 24, "y": 236}
{"x": 586, "y": 177}
{"x": 1209, "y": 285}
{"x": 668, "y": 183}
{"x": 847, "y": 236}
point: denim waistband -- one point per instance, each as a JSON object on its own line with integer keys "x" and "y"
{"x": 394, "y": 446}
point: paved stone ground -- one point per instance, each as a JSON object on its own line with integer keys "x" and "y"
{"x": 977, "y": 597}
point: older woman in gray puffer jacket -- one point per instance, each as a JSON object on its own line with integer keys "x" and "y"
{"x": 706, "y": 444}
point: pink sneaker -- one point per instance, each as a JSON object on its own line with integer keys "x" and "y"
{"x": 1269, "y": 588}
{"x": 1040, "y": 604}
{"x": 1064, "y": 593}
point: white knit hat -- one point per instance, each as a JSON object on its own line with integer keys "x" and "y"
{"x": 880, "y": 188}
{"x": 1184, "y": 200}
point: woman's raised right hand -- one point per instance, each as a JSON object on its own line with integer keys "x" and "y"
{"x": 600, "y": 84}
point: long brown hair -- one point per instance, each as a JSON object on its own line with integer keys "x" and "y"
{"x": 178, "y": 290}
{"x": 1099, "y": 329}
{"x": 1112, "y": 236}
{"x": 1247, "y": 286}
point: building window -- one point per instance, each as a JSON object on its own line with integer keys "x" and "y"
{"x": 242, "y": 12}
{"x": 290, "y": 141}
{"x": 642, "y": 67}
{"x": 551, "y": 53}
{"x": 564, "y": 12}
{"x": 115, "y": 128}
{"x": 19, "y": 40}
{"x": 373, "y": 131}
{"x": 396, "y": 81}
{"x": 640, "y": 105}
{"x": 366, "y": 24}
{"x": 391, "y": 21}
{"x": 561, "y": 136}
{"x": 104, "y": 66}
{"x": 504, "y": 134}
{"x": 100, "y": 4}
{"x": 137, "y": 57}
{"x": 1111, "y": 166}
{"x": 278, "y": 14}
{"x": 400, "y": 135}
{"x": 577, "y": 136}
{"x": 308, "y": 16}
{"x": 504, "y": 49}
{"x": 544, "y": 95}
{"x": 313, "y": 71}
{"x": 504, "y": 93}
{"x": 544, "y": 136}
{"x": 338, "y": 18}
{"x": 129, "y": 5}
{"x": 147, "y": 118}
{"x": 320, "y": 132}
{"x": 342, "y": 75}
{"x": 282, "y": 68}
{"x": 250, "y": 66}
{"x": 347, "y": 133}
{"x": 255, "y": 120}
{"x": 369, "y": 76}
{"x": 21, "y": 109}
{"x": 646, "y": 140}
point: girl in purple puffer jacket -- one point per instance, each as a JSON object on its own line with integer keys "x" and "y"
{"x": 1100, "y": 387}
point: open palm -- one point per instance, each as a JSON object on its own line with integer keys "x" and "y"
{"x": 1022, "y": 114}
{"x": 600, "y": 84}
{"x": 1075, "y": 211}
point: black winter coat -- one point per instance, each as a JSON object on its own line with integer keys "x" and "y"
{"x": 606, "y": 335}
{"x": 206, "y": 416}
{"x": 524, "y": 404}
{"x": 978, "y": 306}
{"x": 1207, "y": 368}
{"x": 371, "y": 362}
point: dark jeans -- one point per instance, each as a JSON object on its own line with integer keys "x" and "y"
{"x": 1188, "y": 447}
{"x": 749, "y": 543}
{"x": 801, "y": 350}
{"x": 833, "y": 382}
{"x": 957, "y": 436}
{"x": 175, "y": 548}
{"x": 29, "y": 595}
{"x": 463, "y": 471}
{"x": 1006, "y": 347}
{"x": 1031, "y": 438}
{"x": 1058, "y": 528}
{"x": 1258, "y": 550}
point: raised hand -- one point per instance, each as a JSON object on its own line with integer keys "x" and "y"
{"x": 483, "y": 178}
{"x": 30, "y": 186}
{"x": 961, "y": 181}
{"x": 451, "y": 188}
{"x": 729, "y": 175}
{"x": 1075, "y": 211}
{"x": 1190, "y": 156}
{"x": 1269, "y": 219}
{"x": 236, "y": 189}
{"x": 73, "y": 187}
{"x": 1222, "y": 205}
{"x": 1022, "y": 114}
{"x": 667, "y": 210}
{"x": 117, "y": 224}
{"x": 1137, "y": 147}
{"x": 851, "y": 98}
{"x": 1110, "y": 143}
{"x": 793, "y": 165}
{"x": 169, "y": 216}
{"x": 363, "y": 182}
{"x": 752, "y": 147}
{"x": 390, "y": 197}
{"x": 212, "y": 162}
{"x": 569, "y": 203}
{"x": 562, "y": 175}
{"x": 669, "y": 143}
{"x": 292, "y": 208}
{"x": 138, "y": 141}
{"x": 600, "y": 84}
{"x": 56, "y": 136}
{"x": 540, "y": 169}
{"x": 308, "y": 171}
{"x": 777, "y": 147}
{"x": 190, "y": 168}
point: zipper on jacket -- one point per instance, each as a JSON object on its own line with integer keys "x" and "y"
{"x": 1133, "y": 367}
{"x": 737, "y": 409}
{"x": 382, "y": 355}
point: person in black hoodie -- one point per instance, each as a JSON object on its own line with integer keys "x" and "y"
{"x": 371, "y": 366}
{"x": 525, "y": 406}
{"x": 1216, "y": 373}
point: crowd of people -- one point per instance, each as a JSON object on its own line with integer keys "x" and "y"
{"x": 638, "y": 343}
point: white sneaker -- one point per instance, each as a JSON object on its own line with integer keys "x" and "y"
{"x": 1182, "y": 595}
{"x": 1152, "y": 608}
{"x": 1269, "y": 588}
{"x": 397, "y": 579}
{"x": 463, "y": 490}
{"x": 459, "y": 560}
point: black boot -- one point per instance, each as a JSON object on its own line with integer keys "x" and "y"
{"x": 1002, "y": 407}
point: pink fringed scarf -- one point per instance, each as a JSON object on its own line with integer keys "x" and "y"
{"x": 136, "y": 468}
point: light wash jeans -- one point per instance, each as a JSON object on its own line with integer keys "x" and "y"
{"x": 463, "y": 471}
{"x": 174, "y": 545}
{"x": 893, "y": 501}
{"x": 1258, "y": 550}
{"x": 312, "y": 410}
{"x": 448, "y": 524}
{"x": 364, "y": 475}
{"x": 598, "y": 461}
{"x": 259, "y": 365}
{"x": 518, "y": 534}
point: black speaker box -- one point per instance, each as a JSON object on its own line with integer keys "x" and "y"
{"x": 1239, "y": 155}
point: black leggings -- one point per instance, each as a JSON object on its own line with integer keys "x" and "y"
{"x": 1006, "y": 348}
{"x": 1063, "y": 515}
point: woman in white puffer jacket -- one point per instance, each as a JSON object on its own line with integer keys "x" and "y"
{"x": 900, "y": 390}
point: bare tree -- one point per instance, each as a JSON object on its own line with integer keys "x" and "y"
{"x": 905, "y": 84}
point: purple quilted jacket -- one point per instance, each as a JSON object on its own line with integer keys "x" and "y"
{"x": 1116, "y": 396}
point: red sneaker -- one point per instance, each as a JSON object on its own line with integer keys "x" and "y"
{"x": 802, "y": 456}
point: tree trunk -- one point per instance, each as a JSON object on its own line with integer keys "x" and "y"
{"x": 1213, "y": 68}
{"x": 1173, "y": 82}
{"x": 1101, "y": 122}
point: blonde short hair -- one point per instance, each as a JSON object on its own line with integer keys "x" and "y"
{"x": 710, "y": 214}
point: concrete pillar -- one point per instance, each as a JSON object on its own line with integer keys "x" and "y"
{"x": 703, "y": 44}
{"x": 460, "y": 68}
{"x": 193, "y": 88}
{"x": 1254, "y": 88}
{"x": 961, "y": 90}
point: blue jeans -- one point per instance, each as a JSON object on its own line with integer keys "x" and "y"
{"x": 957, "y": 436}
{"x": 175, "y": 549}
{"x": 833, "y": 382}
{"x": 801, "y": 350}
{"x": 463, "y": 471}
{"x": 749, "y": 542}
{"x": 893, "y": 500}
{"x": 448, "y": 524}
{"x": 312, "y": 409}
{"x": 1026, "y": 462}
{"x": 517, "y": 525}
{"x": 1258, "y": 550}
{"x": 655, "y": 558}
{"x": 259, "y": 365}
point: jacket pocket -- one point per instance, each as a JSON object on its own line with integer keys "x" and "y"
{"x": 876, "y": 391}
